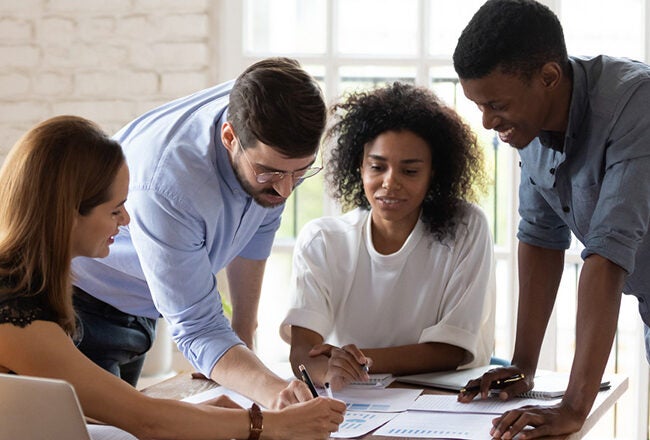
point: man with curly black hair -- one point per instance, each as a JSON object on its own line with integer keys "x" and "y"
{"x": 582, "y": 131}
{"x": 403, "y": 283}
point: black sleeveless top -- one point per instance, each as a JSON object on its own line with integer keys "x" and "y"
{"x": 22, "y": 311}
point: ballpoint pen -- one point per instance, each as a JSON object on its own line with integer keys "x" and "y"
{"x": 496, "y": 384}
{"x": 328, "y": 390}
{"x": 307, "y": 380}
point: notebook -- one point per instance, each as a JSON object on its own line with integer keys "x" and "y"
{"x": 34, "y": 408}
{"x": 452, "y": 380}
{"x": 548, "y": 384}
{"x": 551, "y": 385}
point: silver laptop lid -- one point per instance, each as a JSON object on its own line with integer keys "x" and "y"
{"x": 39, "y": 409}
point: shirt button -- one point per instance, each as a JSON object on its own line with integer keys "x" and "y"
{"x": 566, "y": 209}
{"x": 552, "y": 171}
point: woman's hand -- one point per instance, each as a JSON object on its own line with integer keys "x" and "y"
{"x": 346, "y": 364}
{"x": 315, "y": 419}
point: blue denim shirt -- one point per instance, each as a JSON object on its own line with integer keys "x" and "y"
{"x": 190, "y": 217}
{"x": 597, "y": 184}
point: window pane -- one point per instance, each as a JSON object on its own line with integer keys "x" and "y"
{"x": 355, "y": 78}
{"x": 285, "y": 26}
{"x": 377, "y": 27}
{"x": 498, "y": 156}
{"x": 447, "y": 20}
{"x": 594, "y": 27}
{"x": 318, "y": 72}
{"x": 305, "y": 203}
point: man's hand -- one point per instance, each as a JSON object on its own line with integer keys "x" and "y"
{"x": 483, "y": 383}
{"x": 545, "y": 421}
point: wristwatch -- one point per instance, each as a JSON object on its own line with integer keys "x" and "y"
{"x": 256, "y": 427}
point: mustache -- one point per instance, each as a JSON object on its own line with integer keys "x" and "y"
{"x": 271, "y": 191}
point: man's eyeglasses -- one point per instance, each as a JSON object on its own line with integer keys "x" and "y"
{"x": 276, "y": 176}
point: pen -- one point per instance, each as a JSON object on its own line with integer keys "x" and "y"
{"x": 496, "y": 384}
{"x": 307, "y": 380}
{"x": 328, "y": 390}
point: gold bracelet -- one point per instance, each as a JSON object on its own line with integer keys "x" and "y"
{"x": 256, "y": 426}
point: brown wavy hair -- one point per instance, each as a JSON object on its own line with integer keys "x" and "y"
{"x": 62, "y": 167}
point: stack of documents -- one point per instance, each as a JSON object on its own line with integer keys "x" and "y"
{"x": 400, "y": 412}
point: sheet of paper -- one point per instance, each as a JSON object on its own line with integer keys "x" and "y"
{"x": 376, "y": 399}
{"x": 242, "y": 401}
{"x": 447, "y": 403}
{"x": 105, "y": 432}
{"x": 376, "y": 380}
{"x": 419, "y": 424}
{"x": 356, "y": 424}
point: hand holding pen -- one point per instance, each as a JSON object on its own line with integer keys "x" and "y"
{"x": 509, "y": 381}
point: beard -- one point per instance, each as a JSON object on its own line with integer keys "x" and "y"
{"x": 255, "y": 193}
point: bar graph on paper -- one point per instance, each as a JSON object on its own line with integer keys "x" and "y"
{"x": 357, "y": 423}
{"x": 417, "y": 424}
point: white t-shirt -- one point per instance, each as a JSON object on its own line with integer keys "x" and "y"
{"x": 428, "y": 291}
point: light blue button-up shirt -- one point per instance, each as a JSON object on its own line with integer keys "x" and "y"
{"x": 597, "y": 184}
{"x": 190, "y": 218}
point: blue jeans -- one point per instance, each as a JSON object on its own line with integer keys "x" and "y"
{"x": 114, "y": 340}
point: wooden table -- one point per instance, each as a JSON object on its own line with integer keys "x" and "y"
{"x": 182, "y": 385}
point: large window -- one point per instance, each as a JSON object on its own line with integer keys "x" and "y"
{"x": 355, "y": 44}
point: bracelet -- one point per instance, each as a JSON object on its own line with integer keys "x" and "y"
{"x": 256, "y": 427}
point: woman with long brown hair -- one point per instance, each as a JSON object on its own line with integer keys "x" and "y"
{"x": 62, "y": 190}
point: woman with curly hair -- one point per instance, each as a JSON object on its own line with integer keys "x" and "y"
{"x": 403, "y": 283}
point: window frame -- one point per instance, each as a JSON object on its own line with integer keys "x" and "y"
{"x": 230, "y": 59}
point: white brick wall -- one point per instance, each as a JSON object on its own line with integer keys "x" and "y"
{"x": 107, "y": 60}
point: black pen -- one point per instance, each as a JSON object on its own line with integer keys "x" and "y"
{"x": 307, "y": 380}
{"x": 496, "y": 384}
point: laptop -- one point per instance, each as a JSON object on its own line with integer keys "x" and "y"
{"x": 33, "y": 408}
{"x": 452, "y": 380}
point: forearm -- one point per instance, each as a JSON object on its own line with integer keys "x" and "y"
{"x": 240, "y": 370}
{"x": 599, "y": 298}
{"x": 245, "y": 281}
{"x": 415, "y": 358}
{"x": 316, "y": 365}
{"x": 540, "y": 272}
{"x": 171, "y": 419}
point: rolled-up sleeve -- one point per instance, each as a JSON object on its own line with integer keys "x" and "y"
{"x": 169, "y": 239}
{"x": 620, "y": 221}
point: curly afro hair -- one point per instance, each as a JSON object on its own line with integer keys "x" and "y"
{"x": 456, "y": 158}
